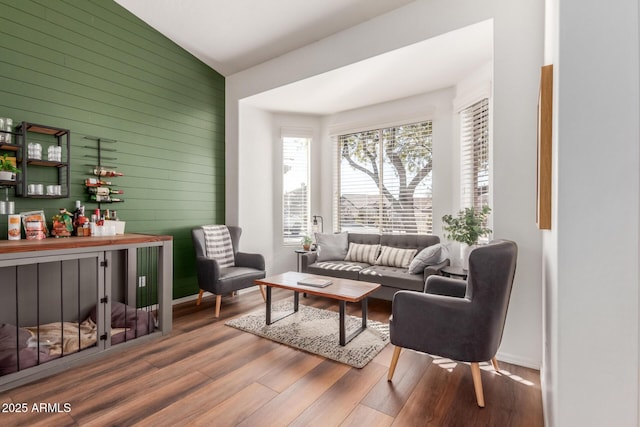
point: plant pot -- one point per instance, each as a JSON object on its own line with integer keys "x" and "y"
{"x": 466, "y": 250}
{"x": 7, "y": 176}
{"x": 306, "y": 247}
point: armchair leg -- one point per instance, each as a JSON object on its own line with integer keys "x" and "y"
{"x": 394, "y": 362}
{"x": 218, "y": 302}
{"x": 494, "y": 362}
{"x": 264, "y": 297}
{"x": 477, "y": 383}
{"x": 199, "y": 297}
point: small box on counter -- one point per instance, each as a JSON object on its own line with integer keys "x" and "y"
{"x": 119, "y": 225}
{"x": 35, "y": 225}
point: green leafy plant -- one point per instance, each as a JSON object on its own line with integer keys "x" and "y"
{"x": 7, "y": 165}
{"x": 307, "y": 240}
{"x": 468, "y": 226}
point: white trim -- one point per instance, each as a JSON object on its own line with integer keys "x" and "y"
{"x": 296, "y": 132}
{"x": 520, "y": 361}
{"x": 194, "y": 297}
{"x": 338, "y": 129}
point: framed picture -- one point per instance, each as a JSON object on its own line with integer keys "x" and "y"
{"x": 545, "y": 135}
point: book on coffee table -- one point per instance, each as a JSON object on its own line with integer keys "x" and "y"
{"x": 318, "y": 283}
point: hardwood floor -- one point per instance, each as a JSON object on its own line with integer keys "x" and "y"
{"x": 205, "y": 373}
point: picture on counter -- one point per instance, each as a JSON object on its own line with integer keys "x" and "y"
{"x": 35, "y": 225}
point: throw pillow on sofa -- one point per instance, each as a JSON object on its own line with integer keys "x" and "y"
{"x": 396, "y": 257}
{"x": 362, "y": 253}
{"x": 332, "y": 247}
{"x": 431, "y": 255}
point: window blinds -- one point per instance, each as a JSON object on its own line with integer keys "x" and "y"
{"x": 383, "y": 181}
{"x": 295, "y": 188}
{"x": 474, "y": 155}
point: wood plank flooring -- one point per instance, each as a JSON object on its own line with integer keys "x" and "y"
{"x": 205, "y": 373}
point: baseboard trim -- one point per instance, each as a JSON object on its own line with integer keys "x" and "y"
{"x": 184, "y": 299}
{"x": 520, "y": 361}
{"x": 195, "y": 296}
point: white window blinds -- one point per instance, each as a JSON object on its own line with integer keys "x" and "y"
{"x": 474, "y": 154}
{"x": 295, "y": 188}
{"x": 384, "y": 180}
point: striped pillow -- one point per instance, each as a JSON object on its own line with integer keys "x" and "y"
{"x": 218, "y": 244}
{"x": 362, "y": 253}
{"x": 396, "y": 257}
{"x": 336, "y": 266}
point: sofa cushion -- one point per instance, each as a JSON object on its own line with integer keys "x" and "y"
{"x": 393, "y": 277}
{"x": 344, "y": 269}
{"x": 408, "y": 241}
{"x": 428, "y": 256}
{"x": 332, "y": 246}
{"x": 362, "y": 253}
{"x": 395, "y": 257}
{"x": 365, "y": 238}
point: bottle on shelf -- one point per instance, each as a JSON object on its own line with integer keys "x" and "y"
{"x": 80, "y": 221}
{"x": 104, "y": 198}
{"x": 95, "y": 182}
{"x": 77, "y": 212}
{"x": 104, "y": 191}
{"x": 106, "y": 172}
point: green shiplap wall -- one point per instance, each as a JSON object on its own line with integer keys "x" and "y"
{"x": 92, "y": 67}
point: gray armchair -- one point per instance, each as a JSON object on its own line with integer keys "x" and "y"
{"x": 455, "y": 319}
{"x": 223, "y": 280}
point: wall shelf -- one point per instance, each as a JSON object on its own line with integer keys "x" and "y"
{"x": 100, "y": 157}
{"x": 60, "y": 138}
{"x": 9, "y": 147}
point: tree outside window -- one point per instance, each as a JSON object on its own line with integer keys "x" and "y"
{"x": 385, "y": 180}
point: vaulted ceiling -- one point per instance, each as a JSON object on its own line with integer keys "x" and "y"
{"x": 231, "y": 36}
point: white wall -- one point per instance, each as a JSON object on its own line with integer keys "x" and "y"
{"x": 591, "y": 276}
{"x": 259, "y": 171}
{"x": 257, "y": 166}
{"x": 518, "y": 49}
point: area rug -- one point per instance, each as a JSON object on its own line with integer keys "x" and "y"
{"x": 316, "y": 331}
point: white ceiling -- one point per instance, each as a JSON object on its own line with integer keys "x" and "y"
{"x": 423, "y": 67}
{"x": 231, "y": 36}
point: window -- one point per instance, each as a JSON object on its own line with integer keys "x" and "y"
{"x": 295, "y": 188}
{"x": 474, "y": 154}
{"x": 384, "y": 180}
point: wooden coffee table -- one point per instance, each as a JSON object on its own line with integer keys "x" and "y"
{"x": 343, "y": 290}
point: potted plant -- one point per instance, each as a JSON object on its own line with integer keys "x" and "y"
{"x": 467, "y": 228}
{"x": 306, "y": 242}
{"x": 8, "y": 169}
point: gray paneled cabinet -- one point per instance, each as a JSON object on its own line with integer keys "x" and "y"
{"x": 47, "y": 282}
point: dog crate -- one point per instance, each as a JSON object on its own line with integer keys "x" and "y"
{"x": 66, "y": 300}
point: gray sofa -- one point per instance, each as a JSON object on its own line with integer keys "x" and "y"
{"x": 392, "y": 278}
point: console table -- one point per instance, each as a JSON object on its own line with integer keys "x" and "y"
{"x": 63, "y": 279}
